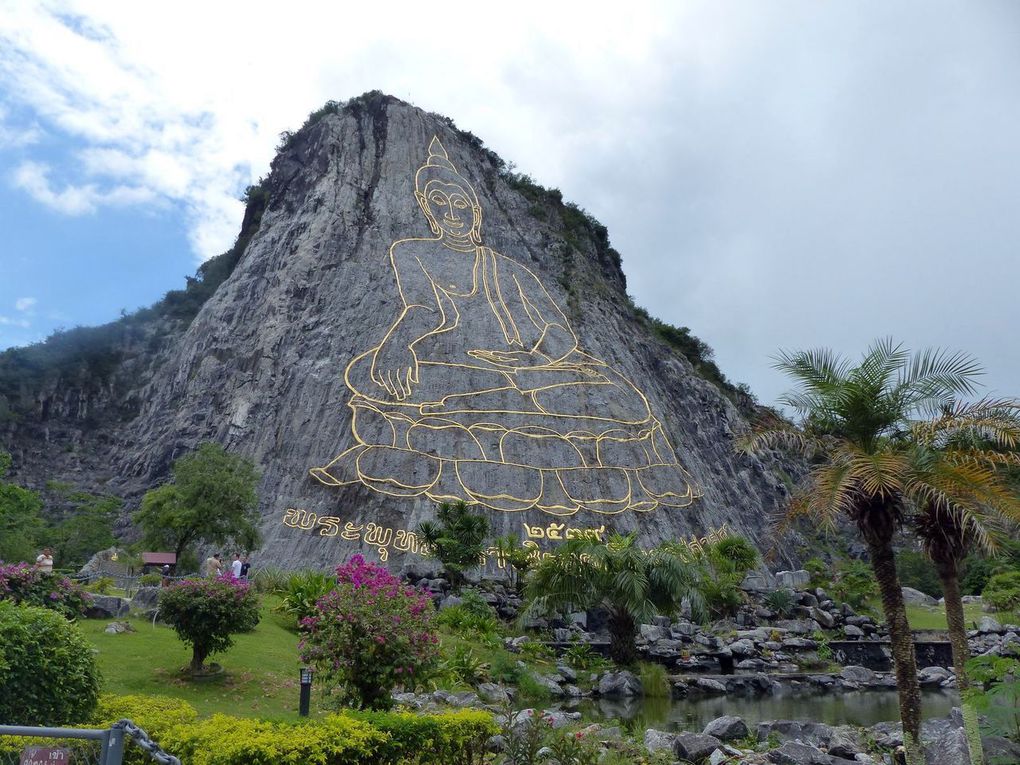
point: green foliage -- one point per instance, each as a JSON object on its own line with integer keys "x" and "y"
{"x": 103, "y": 585}
{"x": 350, "y": 738}
{"x": 150, "y": 580}
{"x": 734, "y": 553}
{"x": 269, "y": 580}
{"x": 223, "y": 740}
{"x": 48, "y": 673}
{"x": 582, "y": 656}
{"x": 154, "y": 714}
{"x": 529, "y": 738}
{"x": 86, "y": 527}
{"x": 453, "y": 738}
{"x": 301, "y": 592}
{"x": 655, "y": 680}
{"x": 456, "y": 538}
{"x": 781, "y": 601}
{"x": 721, "y": 569}
{"x": 978, "y": 568}
{"x": 823, "y": 649}
{"x": 20, "y": 520}
{"x": 820, "y": 572}
{"x": 465, "y": 622}
{"x": 517, "y": 558}
{"x": 916, "y": 570}
{"x": 463, "y": 666}
{"x": 996, "y": 692}
{"x": 631, "y": 583}
{"x": 1003, "y": 591}
{"x": 505, "y": 669}
{"x": 206, "y": 612}
{"x": 854, "y": 583}
{"x": 211, "y": 499}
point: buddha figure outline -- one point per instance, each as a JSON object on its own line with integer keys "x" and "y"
{"x": 480, "y": 392}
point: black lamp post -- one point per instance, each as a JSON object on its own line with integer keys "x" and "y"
{"x": 306, "y": 691}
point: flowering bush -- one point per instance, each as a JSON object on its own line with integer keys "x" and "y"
{"x": 369, "y": 635}
{"x": 25, "y": 584}
{"x": 206, "y": 612}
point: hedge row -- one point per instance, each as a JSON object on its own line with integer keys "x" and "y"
{"x": 348, "y": 738}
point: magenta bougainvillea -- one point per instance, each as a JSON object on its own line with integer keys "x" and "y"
{"x": 24, "y": 583}
{"x": 206, "y": 612}
{"x": 369, "y": 635}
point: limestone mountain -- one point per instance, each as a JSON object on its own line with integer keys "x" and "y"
{"x": 402, "y": 321}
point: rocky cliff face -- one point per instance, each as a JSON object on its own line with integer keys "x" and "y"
{"x": 411, "y": 323}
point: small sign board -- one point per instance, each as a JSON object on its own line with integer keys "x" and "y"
{"x": 38, "y": 755}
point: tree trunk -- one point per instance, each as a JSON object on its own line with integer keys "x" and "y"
{"x": 902, "y": 643}
{"x": 622, "y": 649}
{"x": 948, "y": 572}
{"x": 198, "y": 657}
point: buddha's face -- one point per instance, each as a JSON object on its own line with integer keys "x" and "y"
{"x": 450, "y": 206}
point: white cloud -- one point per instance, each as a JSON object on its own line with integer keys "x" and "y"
{"x": 25, "y": 304}
{"x": 7, "y": 321}
{"x": 33, "y": 178}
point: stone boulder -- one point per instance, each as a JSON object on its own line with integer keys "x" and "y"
{"x": 948, "y": 749}
{"x": 107, "y": 607}
{"x": 695, "y": 747}
{"x": 145, "y": 599}
{"x": 794, "y": 753}
{"x": 918, "y": 598}
{"x": 987, "y": 624}
{"x": 727, "y": 728}
{"x": 856, "y": 674}
{"x": 793, "y": 580}
{"x": 659, "y": 740}
{"x": 623, "y": 683}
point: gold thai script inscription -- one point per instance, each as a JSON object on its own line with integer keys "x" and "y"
{"x": 386, "y": 538}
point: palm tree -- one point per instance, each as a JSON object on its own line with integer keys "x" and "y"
{"x": 970, "y": 499}
{"x": 630, "y": 583}
{"x": 456, "y": 538}
{"x": 854, "y": 419}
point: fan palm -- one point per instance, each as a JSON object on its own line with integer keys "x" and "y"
{"x": 968, "y": 499}
{"x": 630, "y": 583}
{"x": 855, "y": 419}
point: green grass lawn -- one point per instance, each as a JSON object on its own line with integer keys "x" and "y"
{"x": 934, "y": 617}
{"x": 260, "y": 672}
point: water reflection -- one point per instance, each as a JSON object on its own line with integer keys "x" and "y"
{"x": 848, "y": 708}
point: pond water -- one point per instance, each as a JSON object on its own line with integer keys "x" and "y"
{"x": 851, "y": 708}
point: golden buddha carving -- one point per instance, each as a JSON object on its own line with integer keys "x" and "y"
{"x": 479, "y": 391}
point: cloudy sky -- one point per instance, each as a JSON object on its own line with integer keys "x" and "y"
{"x": 776, "y": 174}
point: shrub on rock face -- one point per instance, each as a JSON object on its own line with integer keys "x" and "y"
{"x": 25, "y": 584}
{"x": 205, "y": 613}
{"x": 369, "y": 635}
{"x": 48, "y": 673}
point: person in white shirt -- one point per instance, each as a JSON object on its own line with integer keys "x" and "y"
{"x": 235, "y": 567}
{"x": 45, "y": 561}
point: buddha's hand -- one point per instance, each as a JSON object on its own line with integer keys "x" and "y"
{"x": 510, "y": 359}
{"x": 395, "y": 369}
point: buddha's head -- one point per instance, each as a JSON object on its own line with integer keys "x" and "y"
{"x": 447, "y": 199}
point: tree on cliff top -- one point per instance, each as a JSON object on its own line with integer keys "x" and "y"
{"x": 212, "y": 499}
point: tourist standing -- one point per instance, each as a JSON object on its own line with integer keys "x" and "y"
{"x": 245, "y": 568}
{"x": 236, "y": 566}
{"x": 44, "y": 562}
{"x": 213, "y": 565}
